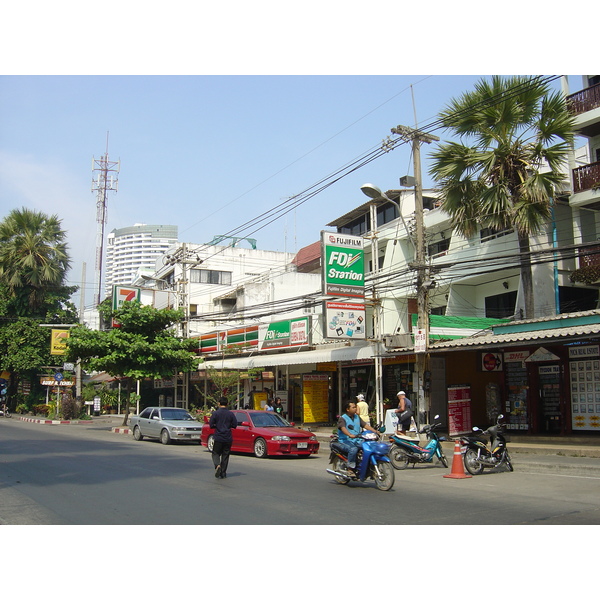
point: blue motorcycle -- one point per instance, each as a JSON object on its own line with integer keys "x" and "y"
{"x": 405, "y": 451}
{"x": 372, "y": 462}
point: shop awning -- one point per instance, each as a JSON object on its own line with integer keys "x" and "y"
{"x": 363, "y": 352}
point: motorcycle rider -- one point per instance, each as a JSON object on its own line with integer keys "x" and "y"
{"x": 350, "y": 426}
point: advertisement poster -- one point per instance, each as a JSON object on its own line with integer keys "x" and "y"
{"x": 343, "y": 265}
{"x": 58, "y": 341}
{"x": 459, "y": 410}
{"x": 344, "y": 321}
{"x": 315, "y": 398}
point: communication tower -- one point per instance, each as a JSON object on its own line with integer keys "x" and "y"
{"x": 105, "y": 180}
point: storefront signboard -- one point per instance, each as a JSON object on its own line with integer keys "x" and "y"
{"x": 343, "y": 264}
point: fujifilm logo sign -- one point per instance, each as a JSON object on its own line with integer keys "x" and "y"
{"x": 343, "y": 256}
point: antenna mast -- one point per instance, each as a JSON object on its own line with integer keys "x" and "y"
{"x": 105, "y": 180}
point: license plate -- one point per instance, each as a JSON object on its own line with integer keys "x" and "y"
{"x": 302, "y": 445}
{"x": 195, "y": 436}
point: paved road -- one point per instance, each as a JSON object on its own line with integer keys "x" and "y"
{"x": 86, "y": 474}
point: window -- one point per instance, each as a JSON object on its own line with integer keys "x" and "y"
{"x": 439, "y": 247}
{"x": 500, "y": 306}
{"x": 212, "y": 277}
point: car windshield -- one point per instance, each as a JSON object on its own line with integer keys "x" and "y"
{"x": 268, "y": 419}
{"x": 176, "y": 414}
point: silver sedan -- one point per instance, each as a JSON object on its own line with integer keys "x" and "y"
{"x": 166, "y": 424}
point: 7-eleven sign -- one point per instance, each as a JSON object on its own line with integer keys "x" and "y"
{"x": 123, "y": 294}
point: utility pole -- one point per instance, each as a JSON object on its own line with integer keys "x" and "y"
{"x": 106, "y": 180}
{"x": 187, "y": 260}
{"x": 423, "y": 281}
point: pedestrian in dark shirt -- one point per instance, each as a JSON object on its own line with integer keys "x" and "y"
{"x": 222, "y": 421}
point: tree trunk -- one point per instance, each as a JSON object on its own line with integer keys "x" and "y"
{"x": 526, "y": 275}
{"x": 127, "y": 396}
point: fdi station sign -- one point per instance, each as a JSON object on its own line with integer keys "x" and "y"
{"x": 343, "y": 260}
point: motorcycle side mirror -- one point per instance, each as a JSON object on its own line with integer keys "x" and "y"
{"x": 500, "y": 417}
{"x": 381, "y": 429}
{"x": 436, "y": 417}
{"x": 476, "y": 429}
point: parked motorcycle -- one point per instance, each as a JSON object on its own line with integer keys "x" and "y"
{"x": 372, "y": 462}
{"x": 477, "y": 456}
{"x": 405, "y": 451}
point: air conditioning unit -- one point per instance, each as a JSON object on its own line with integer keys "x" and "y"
{"x": 400, "y": 340}
{"x": 407, "y": 181}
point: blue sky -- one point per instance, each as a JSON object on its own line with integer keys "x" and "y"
{"x": 219, "y": 115}
{"x": 206, "y": 153}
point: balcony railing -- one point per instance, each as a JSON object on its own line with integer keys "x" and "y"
{"x": 586, "y": 177}
{"x": 589, "y": 257}
{"x": 585, "y": 100}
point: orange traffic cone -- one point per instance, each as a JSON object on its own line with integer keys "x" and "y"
{"x": 458, "y": 471}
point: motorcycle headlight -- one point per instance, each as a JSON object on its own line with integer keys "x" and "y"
{"x": 281, "y": 438}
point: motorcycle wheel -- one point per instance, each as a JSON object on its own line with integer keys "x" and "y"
{"x": 398, "y": 458}
{"x": 385, "y": 479}
{"x": 507, "y": 461}
{"x": 442, "y": 458}
{"x": 472, "y": 465}
{"x": 339, "y": 465}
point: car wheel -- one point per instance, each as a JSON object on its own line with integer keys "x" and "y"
{"x": 260, "y": 448}
{"x": 137, "y": 434}
{"x": 210, "y": 443}
{"x": 165, "y": 438}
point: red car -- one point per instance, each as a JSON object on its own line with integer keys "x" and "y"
{"x": 265, "y": 434}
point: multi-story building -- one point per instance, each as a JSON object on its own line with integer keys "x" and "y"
{"x": 135, "y": 248}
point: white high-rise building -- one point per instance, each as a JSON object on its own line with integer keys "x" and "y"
{"x": 133, "y": 248}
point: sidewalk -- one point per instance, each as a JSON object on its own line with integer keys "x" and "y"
{"x": 575, "y": 446}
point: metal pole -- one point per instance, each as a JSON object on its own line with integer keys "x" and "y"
{"x": 376, "y": 314}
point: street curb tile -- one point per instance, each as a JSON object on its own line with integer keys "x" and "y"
{"x": 125, "y": 430}
{"x": 51, "y": 421}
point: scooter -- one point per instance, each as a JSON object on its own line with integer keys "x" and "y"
{"x": 372, "y": 462}
{"x": 405, "y": 451}
{"x": 476, "y": 454}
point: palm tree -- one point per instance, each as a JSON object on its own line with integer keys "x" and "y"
{"x": 33, "y": 258}
{"x": 520, "y": 134}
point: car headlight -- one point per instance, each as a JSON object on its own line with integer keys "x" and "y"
{"x": 179, "y": 428}
{"x": 313, "y": 438}
{"x": 281, "y": 438}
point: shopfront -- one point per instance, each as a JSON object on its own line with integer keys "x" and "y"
{"x": 547, "y": 378}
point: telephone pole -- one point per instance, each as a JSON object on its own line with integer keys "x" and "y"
{"x": 418, "y": 137}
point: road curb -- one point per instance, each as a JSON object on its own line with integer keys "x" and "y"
{"x": 52, "y": 421}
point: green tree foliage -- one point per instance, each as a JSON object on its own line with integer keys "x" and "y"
{"x": 517, "y": 135}
{"x": 144, "y": 345}
{"x": 33, "y": 261}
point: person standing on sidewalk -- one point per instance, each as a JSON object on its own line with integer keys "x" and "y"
{"x": 223, "y": 421}
{"x": 363, "y": 409}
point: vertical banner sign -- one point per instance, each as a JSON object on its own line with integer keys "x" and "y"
{"x": 315, "y": 398}
{"x": 343, "y": 265}
{"x": 58, "y": 341}
{"x": 459, "y": 410}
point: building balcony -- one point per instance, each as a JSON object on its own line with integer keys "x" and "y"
{"x": 586, "y": 177}
{"x": 585, "y": 105}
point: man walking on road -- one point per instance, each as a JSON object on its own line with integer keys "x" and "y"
{"x": 223, "y": 421}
